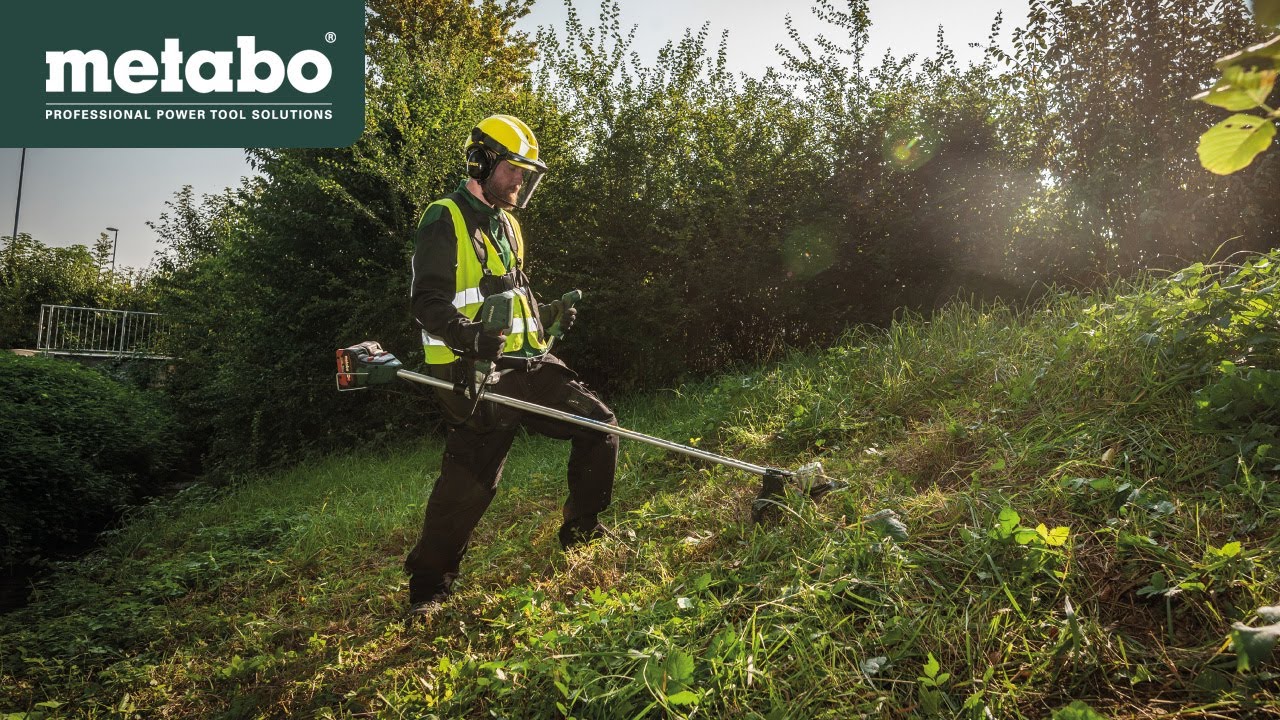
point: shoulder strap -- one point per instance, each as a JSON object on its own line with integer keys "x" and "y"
{"x": 478, "y": 244}
{"x": 513, "y": 237}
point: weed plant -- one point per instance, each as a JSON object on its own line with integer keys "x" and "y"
{"x": 1084, "y": 524}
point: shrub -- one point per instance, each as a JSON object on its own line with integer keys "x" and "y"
{"x": 78, "y": 447}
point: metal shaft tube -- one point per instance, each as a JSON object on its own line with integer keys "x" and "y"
{"x": 597, "y": 425}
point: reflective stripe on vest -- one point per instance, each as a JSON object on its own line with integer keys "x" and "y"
{"x": 467, "y": 298}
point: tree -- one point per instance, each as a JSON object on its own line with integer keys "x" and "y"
{"x": 1105, "y": 85}
{"x": 102, "y": 252}
{"x": 314, "y": 255}
{"x": 33, "y": 274}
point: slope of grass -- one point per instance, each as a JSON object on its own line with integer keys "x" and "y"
{"x": 1089, "y": 495}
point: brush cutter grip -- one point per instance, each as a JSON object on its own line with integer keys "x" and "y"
{"x": 567, "y": 302}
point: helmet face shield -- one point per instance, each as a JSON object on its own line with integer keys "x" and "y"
{"x": 530, "y": 177}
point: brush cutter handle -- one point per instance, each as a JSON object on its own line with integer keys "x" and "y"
{"x": 566, "y": 301}
{"x": 367, "y": 363}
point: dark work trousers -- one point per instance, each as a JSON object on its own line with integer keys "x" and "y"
{"x": 475, "y": 450}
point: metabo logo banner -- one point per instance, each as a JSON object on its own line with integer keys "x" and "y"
{"x": 235, "y": 73}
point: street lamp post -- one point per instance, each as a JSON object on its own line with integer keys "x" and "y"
{"x": 17, "y": 207}
{"x": 114, "y": 242}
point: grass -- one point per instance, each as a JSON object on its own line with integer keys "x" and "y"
{"x": 1083, "y": 527}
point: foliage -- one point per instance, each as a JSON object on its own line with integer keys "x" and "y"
{"x": 1218, "y": 324}
{"x": 196, "y": 292}
{"x": 1253, "y": 645}
{"x": 314, "y": 254}
{"x": 79, "y": 448}
{"x": 1248, "y": 77}
{"x": 414, "y": 26}
{"x": 1102, "y": 88}
{"x": 1048, "y": 463}
{"x": 676, "y": 186}
{"x": 760, "y": 198}
{"x": 33, "y": 274}
{"x": 722, "y": 219}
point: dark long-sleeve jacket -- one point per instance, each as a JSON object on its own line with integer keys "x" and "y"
{"x": 435, "y": 263}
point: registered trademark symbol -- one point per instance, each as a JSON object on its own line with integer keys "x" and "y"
{"x": 330, "y": 38}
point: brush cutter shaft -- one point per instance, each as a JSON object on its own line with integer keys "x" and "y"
{"x": 597, "y": 425}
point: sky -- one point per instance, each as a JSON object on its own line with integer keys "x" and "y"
{"x": 71, "y": 195}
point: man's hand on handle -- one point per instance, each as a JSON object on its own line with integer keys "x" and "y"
{"x": 555, "y": 310}
{"x": 480, "y": 345}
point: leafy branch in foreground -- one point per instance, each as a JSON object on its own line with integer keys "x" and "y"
{"x": 1248, "y": 77}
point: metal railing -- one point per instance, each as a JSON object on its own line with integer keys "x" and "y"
{"x": 95, "y": 332}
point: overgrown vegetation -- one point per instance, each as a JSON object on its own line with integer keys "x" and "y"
{"x": 830, "y": 191}
{"x": 1062, "y": 500}
{"x": 1086, "y": 511}
{"x": 79, "y": 446}
{"x": 33, "y": 274}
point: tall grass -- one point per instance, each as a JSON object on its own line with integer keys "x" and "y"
{"x": 1077, "y": 531}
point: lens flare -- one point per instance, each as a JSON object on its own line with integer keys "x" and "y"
{"x": 808, "y": 250}
{"x": 907, "y": 149}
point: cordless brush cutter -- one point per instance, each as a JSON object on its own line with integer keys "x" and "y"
{"x": 367, "y": 364}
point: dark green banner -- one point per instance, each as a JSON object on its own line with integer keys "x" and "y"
{"x": 235, "y": 73}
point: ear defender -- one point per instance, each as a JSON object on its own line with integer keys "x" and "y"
{"x": 480, "y": 161}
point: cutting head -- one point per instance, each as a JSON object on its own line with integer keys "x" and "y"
{"x": 809, "y": 478}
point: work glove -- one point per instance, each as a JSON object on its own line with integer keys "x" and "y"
{"x": 555, "y": 309}
{"x": 474, "y": 342}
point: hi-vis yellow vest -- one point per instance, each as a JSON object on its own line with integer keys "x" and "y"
{"x": 467, "y": 298}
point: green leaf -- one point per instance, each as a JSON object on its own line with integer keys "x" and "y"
{"x": 1233, "y": 143}
{"x": 679, "y": 667}
{"x": 932, "y": 667}
{"x": 1157, "y": 586}
{"x": 1008, "y": 520}
{"x": 684, "y": 697}
{"x": 1267, "y": 12}
{"x": 1263, "y": 55}
{"x": 1229, "y": 550}
{"x": 1078, "y": 710}
{"x": 1026, "y": 536}
{"x": 1240, "y": 89}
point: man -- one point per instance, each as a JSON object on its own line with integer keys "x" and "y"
{"x": 467, "y": 247}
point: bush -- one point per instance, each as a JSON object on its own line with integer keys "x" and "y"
{"x": 78, "y": 448}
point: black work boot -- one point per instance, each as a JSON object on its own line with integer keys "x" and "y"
{"x": 582, "y": 530}
{"x": 425, "y": 599}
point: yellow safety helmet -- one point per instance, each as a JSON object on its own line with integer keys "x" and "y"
{"x": 505, "y": 137}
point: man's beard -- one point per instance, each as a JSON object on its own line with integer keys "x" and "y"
{"x": 502, "y": 200}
